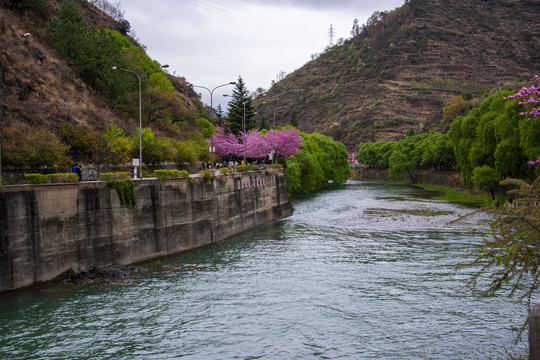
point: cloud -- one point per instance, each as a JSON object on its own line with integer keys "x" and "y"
{"x": 211, "y": 42}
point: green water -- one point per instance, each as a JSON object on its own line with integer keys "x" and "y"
{"x": 336, "y": 280}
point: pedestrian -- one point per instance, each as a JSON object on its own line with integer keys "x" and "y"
{"x": 45, "y": 170}
{"x": 74, "y": 168}
{"x": 78, "y": 171}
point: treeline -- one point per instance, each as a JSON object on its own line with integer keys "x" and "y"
{"x": 432, "y": 150}
{"x": 320, "y": 160}
{"x": 488, "y": 144}
{"x": 93, "y": 53}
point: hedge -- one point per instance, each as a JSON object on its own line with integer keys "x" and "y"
{"x": 36, "y": 178}
{"x": 63, "y": 178}
{"x": 167, "y": 174}
{"x": 113, "y": 176}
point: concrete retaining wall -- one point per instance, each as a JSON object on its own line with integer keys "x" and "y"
{"x": 47, "y": 231}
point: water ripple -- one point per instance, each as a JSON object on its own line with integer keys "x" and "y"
{"x": 330, "y": 282}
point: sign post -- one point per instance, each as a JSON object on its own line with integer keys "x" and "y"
{"x": 135, "y": 162}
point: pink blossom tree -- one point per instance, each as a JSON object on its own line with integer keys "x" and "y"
{"x": 257, "y": 144}
{"x": 286, "y": 142}
{"x": 529, "y": 96}
{"x": 225, "y": 143}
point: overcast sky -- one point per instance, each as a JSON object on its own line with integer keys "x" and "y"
{"x": 212, "y": 42}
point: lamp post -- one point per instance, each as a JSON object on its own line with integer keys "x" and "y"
{"x": 245, "y": 135}
{"x": 140, "y": 110}
{"x": 212, "y": 115}
{"x": 22, "y": 36}
{"x": 273, "y": 132}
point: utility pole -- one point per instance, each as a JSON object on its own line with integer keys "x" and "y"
{"x": 331, "y": 35}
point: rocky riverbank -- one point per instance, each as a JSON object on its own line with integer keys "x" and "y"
{"x": 112, "y": 274}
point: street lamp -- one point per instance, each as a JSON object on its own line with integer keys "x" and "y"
{"x": 140, "y": 111}
{"x": 22, "y": 36}
{"x": 245, "y": 135}
{"x": 273, "y": 131}
{"x": 212, "y": 115}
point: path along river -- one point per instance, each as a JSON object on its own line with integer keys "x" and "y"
{"x": 360, "y": 272}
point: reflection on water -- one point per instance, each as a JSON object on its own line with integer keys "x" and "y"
{"x": 332, "y": 281}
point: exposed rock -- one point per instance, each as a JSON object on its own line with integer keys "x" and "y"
{"x": 112, "y": 274}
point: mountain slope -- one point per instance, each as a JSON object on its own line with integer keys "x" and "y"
{"x": 39, "y": 90}
{"x": 405, "y": 65}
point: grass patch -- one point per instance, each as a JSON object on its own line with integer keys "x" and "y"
{"x": 463, "y": 196}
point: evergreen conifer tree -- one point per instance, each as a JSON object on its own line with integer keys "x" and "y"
{"x": 236, "y": 109}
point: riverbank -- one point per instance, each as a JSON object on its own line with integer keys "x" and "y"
{"x": 52, "y": 230}
{"x": 448, "y": 183}
{"x": 451, "y": 179}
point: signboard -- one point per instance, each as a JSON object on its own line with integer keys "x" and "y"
{"x": 135, "y": 161}
{"x": 212, "y": 149}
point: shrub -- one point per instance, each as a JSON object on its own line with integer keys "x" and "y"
{"x": 81, "y": 141}
{"x": 63, "y": 178}
{"x": 118, "y": 146}
{"x": 112, "y": 176}
{"x": 224, "y": 171}
{"x": 23, "y": 145}
{"x": 243, "y": 168}
{"x": 208, "y": 175}
{"x": 167, "y": 174}
{"x": 36, "y": 178}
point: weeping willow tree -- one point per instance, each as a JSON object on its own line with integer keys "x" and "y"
{"x": 512, "y": 253}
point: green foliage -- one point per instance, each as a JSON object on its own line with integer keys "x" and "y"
{"x": 485, "y": 177}
{"x": 320, "y": 160}
{"x": 82, "y": 142}
{"x": 205, "y": 125}
{"x": 510, "y": 253}
{"x": 39, "y": 7}
{"x": 114, "y": 176}
{"x": 235, "y": 119}
{"x": 494, "y": 134}
{"x": 36, "y": 178}
{"x": 118, "y": 147}
{"x": 92, "y": 52}
{"x": 187, "y": 151}
{"x": 23, "y": 145}
{"x": 432, "y": 150}
{"x": 224, "y": 170}
{"x": 335, "y": 160}
{"x": 243, "y": 168}
{"x": 63, "y": 178}
{"x": 168, "y": 174}
{"x": 376, "y": 154}
{"x": 125, "y": 190}
{"x": 208, "y": 174}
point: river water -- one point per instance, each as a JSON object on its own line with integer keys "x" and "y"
{"x": 365, "y": 271}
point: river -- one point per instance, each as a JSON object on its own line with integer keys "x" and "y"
{"x": 365, "y": 271}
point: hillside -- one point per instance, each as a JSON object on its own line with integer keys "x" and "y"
{"x": 406, "y": 65}
{"x": 42, "y": 92}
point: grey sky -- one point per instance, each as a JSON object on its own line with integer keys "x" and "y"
{"x": 212, "y": 42}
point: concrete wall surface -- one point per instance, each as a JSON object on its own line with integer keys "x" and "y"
{"x": 47, "y": 231}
